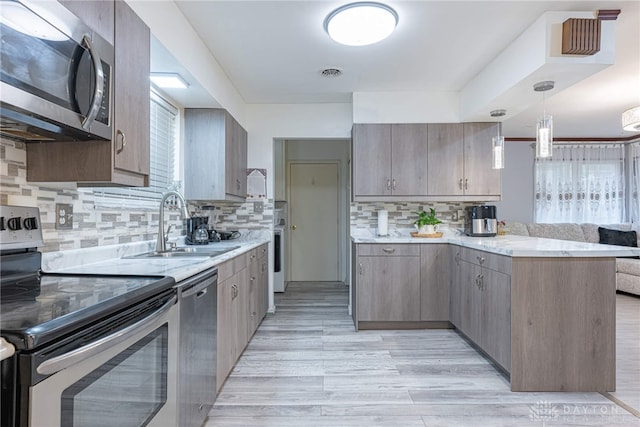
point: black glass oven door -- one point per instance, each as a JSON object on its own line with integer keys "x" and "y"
{"x": 126, "y": 391}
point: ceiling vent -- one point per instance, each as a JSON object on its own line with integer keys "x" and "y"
{"x": 331, "y": 72}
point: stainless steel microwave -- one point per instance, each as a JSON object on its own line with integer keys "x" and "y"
{"x": 56, "y": 74}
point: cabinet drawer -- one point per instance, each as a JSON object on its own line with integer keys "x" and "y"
{"x": 262, "y": 250}
{"x": 495, "y": 262}
{"x": 225, "y": 270}
{"x": 389, "y": 250}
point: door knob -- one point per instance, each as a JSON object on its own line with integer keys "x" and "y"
{"x": 294, "y": 227}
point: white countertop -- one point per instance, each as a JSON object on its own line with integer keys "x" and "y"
{"x": 510, "y": 245}
{"x": 108, "y": 260}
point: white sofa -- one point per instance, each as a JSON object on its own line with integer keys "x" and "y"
{"x": 627, "y": 269}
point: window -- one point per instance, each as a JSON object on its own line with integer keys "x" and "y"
{"x": 164, "y": 161}
{"x": 581, "y": 183}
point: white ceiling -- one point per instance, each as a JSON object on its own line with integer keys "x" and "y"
{"x": 273, "y": 52}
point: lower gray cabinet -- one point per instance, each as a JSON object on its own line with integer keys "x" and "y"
{"x": 480, "y": 301}
{"x": 388, "y": 283}
{"x": 434, "y": 282}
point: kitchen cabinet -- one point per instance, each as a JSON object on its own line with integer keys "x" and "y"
{"x": 215, "y": 156}
{"x": 233, "y": 305}
{"x": 422, "y": 162}
{"x": 388, "y": 283}
{"x": 258, "y": 288}
{"x": 481, "y": 301}
{"x": 124, "y": 160}
{"x": 434, "y": 282}
{"x": 459, "y": 161}
{"x": 389, "y": 160}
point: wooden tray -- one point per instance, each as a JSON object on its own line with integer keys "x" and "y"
{"x": 416, "y": 234}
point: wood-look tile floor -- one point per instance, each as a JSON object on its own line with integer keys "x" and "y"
{"x": 306, "y": 366}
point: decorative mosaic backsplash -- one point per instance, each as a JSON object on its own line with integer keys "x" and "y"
{"x": 94, "y": 225}
{"x": 240, "y": 216}
{"x": 401, "y": 215}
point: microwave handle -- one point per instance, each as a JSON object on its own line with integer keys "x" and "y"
{"x": 146, "y": 325}
{"x": 98, "y": 93}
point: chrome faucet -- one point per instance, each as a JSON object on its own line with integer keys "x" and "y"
{"x": 161, "y": 244}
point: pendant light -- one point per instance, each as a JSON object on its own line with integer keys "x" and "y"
{"x": 497, "y": 143}
{"x": 631, "y": 119}
{"x": 544, "y": 126}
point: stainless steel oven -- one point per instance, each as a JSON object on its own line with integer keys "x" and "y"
{"x": 90, "y": 350}
{"x": 56, "y": 74}
{"x": 127, "y": 378}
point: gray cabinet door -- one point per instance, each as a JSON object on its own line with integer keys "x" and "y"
{"x": 232, "y": 151}
{"x": 97, "y": 14}
{"x": 496, "y": 316}
{"x": 227, "y": 325}
{"x": 434, "y": 277}
{"x": 480, "y": 179}
{"x": 471, "y": 299}
{"x": 388, "y": 288}
{"x": 409, "y": 159}
{"x": 371, "y": 159}
{"x": 131, "y": 92}
{"x": 445, "y": 159}
{"x": 455, "y": 290}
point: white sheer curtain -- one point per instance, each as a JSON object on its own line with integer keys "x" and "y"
{"x": 581, "y": 183}
{"x": 634, "y": 182}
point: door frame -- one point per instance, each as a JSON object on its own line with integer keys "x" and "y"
{"x": 340, "y": 206}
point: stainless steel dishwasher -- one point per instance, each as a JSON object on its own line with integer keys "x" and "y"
{"x": 197, "y": 353}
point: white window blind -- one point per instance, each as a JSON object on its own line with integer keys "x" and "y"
{"x": 164, "y": 122}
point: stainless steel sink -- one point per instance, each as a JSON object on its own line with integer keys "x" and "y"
{"x": 188, "y": 251}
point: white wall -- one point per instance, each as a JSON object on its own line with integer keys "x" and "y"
{"x": 517, "y": 183}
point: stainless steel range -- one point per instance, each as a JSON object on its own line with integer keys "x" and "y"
{"x": 89, "y": 350}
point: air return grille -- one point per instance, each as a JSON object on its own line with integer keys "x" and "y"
{"x": 580, "y": 36}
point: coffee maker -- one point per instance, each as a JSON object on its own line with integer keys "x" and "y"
{"x": 480, "y": 221}
{"x": 197, "y": 233}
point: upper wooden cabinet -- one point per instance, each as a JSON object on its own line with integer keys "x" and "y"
{"x": 215, "y": 156}
{"x": 125, "y": 159}
{"x": 389, "y": 160}
{"x": 460, "y": 161}
{"x": 422, "y": 162}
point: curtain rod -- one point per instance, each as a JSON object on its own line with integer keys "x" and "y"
{"x": 626, "y": 140}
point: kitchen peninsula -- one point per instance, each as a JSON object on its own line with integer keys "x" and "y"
{"x": 543, "y": 310}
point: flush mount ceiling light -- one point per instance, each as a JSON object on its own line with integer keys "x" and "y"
{"x": 631, "y": 119}
{"x": 169, "y": 80}
{"x": 544, "y": 125}
{"x": 361, "y": 23}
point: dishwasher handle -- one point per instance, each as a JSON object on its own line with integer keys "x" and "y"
{"x": 71, "y": 358}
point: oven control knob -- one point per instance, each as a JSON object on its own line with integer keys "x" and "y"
{"x": 2, "y": 227}
{"x": 30, "y": 223}
{"x": 14, "y": 223}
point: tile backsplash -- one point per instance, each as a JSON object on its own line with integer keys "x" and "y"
{"x": 401, "y": 215}
{"x": 93, "y": 223}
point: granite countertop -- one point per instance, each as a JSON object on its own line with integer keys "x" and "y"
{"x": 108, "y": 260}
{"x": 510, "y": 245}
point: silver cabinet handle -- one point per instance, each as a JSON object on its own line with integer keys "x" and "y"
{"x": 457, "y": 258}
{"x": 124, "y": 141}
{"x": 388, "y": 250}
{"x": 388, "y": 184}
{"x": 480, "y": 259}
{"x": 460, "y": 183}
{"x": 466, "y": 183}
{"x": 74, "y": 357}
{"x": 252, "y": 279}
{"x": 98, "y": 92}
{"x": 393, "y": 185}
{"x": 361, "y": 269}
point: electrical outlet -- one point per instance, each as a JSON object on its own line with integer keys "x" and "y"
{"x": 64, "y": 216}
{"x": 258, "y": 207}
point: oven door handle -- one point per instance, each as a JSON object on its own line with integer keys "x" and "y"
{"x": 71, "y": 358}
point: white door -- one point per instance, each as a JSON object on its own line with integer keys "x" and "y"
{"x": 313, "y": 219}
